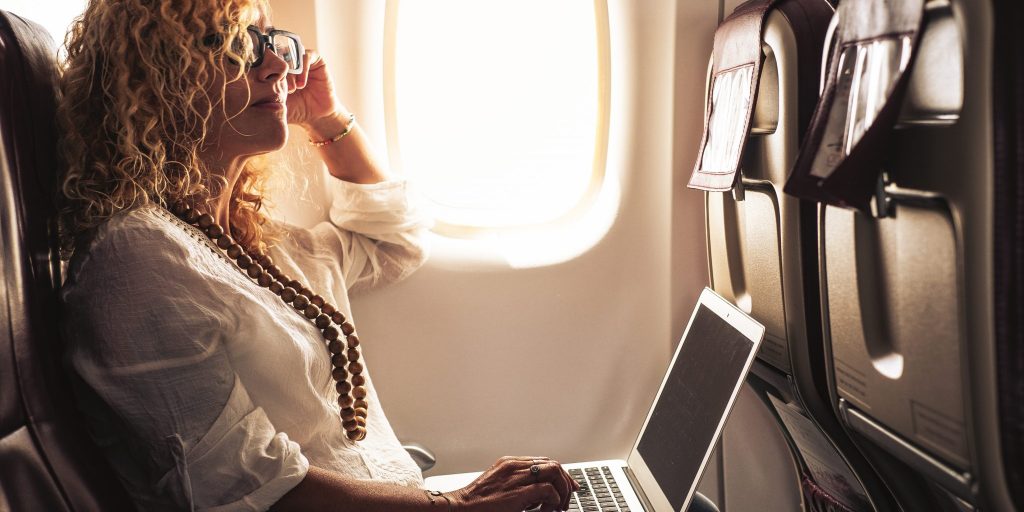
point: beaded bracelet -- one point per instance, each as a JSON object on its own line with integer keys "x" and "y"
{"x": 432, "y": 494}
{"x": 348, "y": 129}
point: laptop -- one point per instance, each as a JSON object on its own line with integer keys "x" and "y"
{"x": 664, "y": 466}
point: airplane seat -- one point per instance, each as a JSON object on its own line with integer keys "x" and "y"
{"x": 901, "y": 166}
{"x": 762, "y": 255}
{"x": 49, "y": 462}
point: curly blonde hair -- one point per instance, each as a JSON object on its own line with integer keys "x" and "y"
{"x": 135, "y": 110}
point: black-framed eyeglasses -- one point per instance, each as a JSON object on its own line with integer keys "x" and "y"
{"x": 286, "y": 45}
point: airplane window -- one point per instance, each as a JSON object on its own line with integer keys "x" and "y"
{"x": 54, "y": 15}
{"x": 498, "y": 107}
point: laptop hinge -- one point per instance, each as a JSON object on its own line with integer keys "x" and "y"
{"x": 637, "y": 490}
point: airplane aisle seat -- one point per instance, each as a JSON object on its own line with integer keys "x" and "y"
{"x": 49, "y": 462}
{"x": 898, "y": 157}
{"x": 762, "y": 254}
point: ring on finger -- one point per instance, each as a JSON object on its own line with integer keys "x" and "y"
{"x": 535, "y": 471}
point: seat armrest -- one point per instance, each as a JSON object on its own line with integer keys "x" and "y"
{"x": 424, "y": 457}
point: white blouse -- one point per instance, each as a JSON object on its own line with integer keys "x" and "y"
{"x": 208, "y": 392}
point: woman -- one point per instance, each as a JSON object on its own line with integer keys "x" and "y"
{"x": 214, "y": 357}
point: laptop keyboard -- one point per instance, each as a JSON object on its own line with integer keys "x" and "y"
{"x": 598, "y": 491}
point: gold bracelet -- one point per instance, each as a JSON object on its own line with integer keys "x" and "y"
{"x": 336, "y": 138}
{"x": 432, "y": 494}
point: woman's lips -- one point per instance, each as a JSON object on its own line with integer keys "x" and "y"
{"x": 269, "y": 104}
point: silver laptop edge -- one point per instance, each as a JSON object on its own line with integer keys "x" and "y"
{"x": 645, "y": 484}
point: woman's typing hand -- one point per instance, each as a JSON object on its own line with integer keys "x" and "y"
{"x": 513, "y": 485}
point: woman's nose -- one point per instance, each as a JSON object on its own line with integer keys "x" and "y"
{"x": 273, "y": 67}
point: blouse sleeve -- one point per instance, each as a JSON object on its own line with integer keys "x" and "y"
{"x": 146, "y": 334}
{"x": 374, "y": 235}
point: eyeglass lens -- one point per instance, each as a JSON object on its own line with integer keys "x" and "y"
{"x": 288, "y": 49}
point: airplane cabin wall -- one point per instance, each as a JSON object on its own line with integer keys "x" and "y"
{"x": 476, "y": 359}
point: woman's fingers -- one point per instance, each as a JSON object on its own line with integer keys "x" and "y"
{"x": 571, "y": 484}
{"x": 298, "y": 81}
{"x": 551, "y": 472}
{"x": 542, "y": 493}
{"x": 311, "y": 92}
{"x": 522, "y": 458}
{"x": 308, "y": 58}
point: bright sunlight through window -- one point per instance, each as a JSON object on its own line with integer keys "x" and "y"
{"x": 497, "y": 107}
{"x": 54, "y": 15}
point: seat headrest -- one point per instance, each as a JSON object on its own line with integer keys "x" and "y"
{"x": 28, "y": 102}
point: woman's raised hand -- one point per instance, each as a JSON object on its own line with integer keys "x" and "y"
{"x": 313, "y": 104}
{"x": 514, "y": 484}
{"x": 311, "y": 94}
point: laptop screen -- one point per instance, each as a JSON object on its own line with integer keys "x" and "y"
{"x": 696, "y": 393}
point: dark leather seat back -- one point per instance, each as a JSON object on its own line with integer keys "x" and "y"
{"x": 47, "y": 461}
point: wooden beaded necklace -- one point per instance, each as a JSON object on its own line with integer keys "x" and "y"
{"x": 342, "y": 341}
